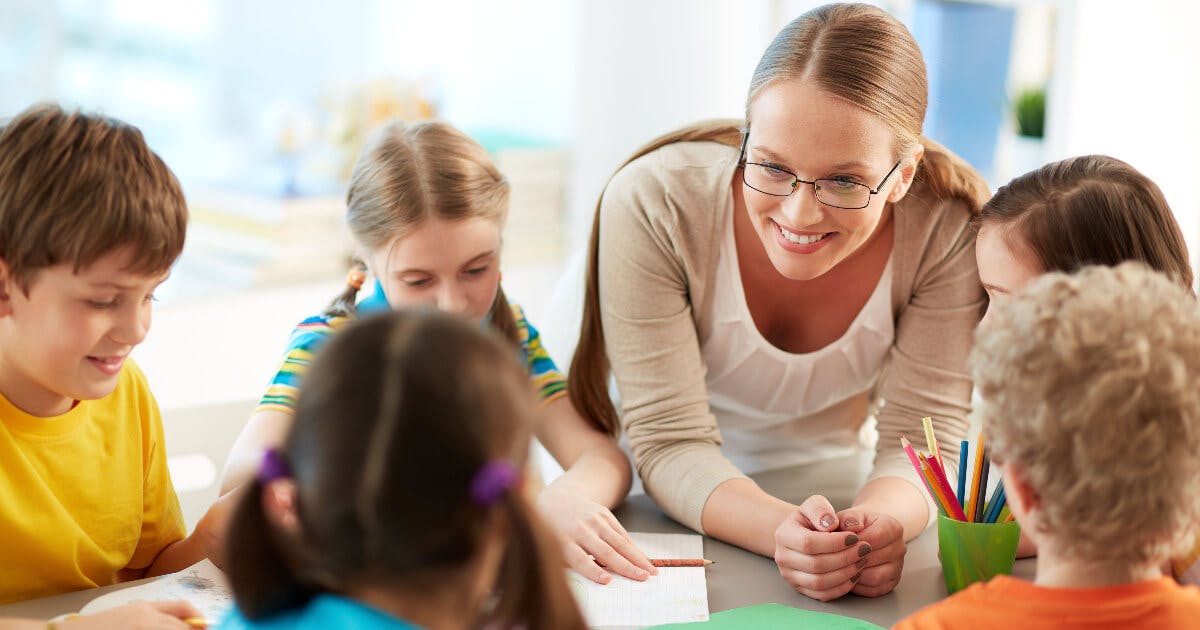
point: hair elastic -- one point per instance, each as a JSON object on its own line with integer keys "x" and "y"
{"x": 356, "y": 277}
{"x": 492, "y": 481}
{"x": 273, "y": 467}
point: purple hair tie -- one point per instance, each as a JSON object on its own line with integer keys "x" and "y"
{"x": 273, "y": 467}
{"x": 492, "y": 481}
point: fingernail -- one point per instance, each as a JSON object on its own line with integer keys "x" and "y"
{"x": 643, "y": 575}
{"x": 861, "y": 563}
{"x": 850, "y": 523}
{"x": 826, "y": 521}
{"x": 864, "y": 549}
{"x": 851, "y": 539}
{"x": 605, "y": 577}
{"x": 856, "y": 576}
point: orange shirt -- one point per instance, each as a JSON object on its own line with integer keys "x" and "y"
{"x": 1005, "y": 603}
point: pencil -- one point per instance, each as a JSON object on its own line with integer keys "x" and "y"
{"x": 963, "y": 447}
{"x": 680, "y": 562}
{"x": 952, "y": 506}
{"x": 974, "y": 498}
{"x": 927, "y": 422}
{"x": 931, "y": 480}
{"x": 995, "y": 504}
{"x": 912, "y": 457}
{"x": 983, "y": 479}
{"x": 196, "y": 622}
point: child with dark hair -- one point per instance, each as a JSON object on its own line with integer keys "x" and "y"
{"x": 396, "y": 500}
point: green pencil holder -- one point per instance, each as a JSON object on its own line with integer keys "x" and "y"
{"x": 974, "y": 552}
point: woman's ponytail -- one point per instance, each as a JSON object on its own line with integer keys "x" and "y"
{"x": 950, "y": 177}
{"x": 587, "y": 380}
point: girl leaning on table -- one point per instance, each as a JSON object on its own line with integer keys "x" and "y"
{"x": 426, "y": 208}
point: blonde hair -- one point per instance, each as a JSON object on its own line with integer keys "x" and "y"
{"x": 856, "y": 52}
{"x": 1090, "y": 385}
{"x": 74, "y": 187}
{"x": 407, "y": 174}
{"x": 1090, "y": 210}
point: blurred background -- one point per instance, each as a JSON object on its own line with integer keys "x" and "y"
{"x": 260, "y": 108}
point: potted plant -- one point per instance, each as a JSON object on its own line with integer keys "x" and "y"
{"x": 1029, "y": 109}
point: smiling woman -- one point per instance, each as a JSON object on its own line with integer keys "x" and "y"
{"x": 748, "y": 301}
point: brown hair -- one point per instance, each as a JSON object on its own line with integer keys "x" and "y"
{"x": 409, "y": 173}
{"x": 74, "y": 187}
{"x": 383, "y": 451}
{"x": 1090, "y": 385}
{"x": 1091, "y": 210}
{"x": 856, "y": 52}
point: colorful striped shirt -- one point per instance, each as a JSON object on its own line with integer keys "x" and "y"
{"x": 314, "y": 331}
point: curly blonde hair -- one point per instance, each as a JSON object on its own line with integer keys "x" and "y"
{"x": 1090, "y": 385}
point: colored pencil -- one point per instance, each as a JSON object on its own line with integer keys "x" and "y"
{"x": 983, "y": 480}
{"x": 680, "y": 562}
{"x": 943, "y": 484}
{"x": 997, "y": 502}
{"x": 974, "y": 498}
{"x": 912, "y": 457}
{"x": 963, "y": 447}
{"x": 927, "y": 422}
{"x": 196, "y": 622}
{"x": 931, "y": 482}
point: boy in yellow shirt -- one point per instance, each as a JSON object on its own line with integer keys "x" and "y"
{"x": 1090, "y": 397}
{"x": 91, "y": 220}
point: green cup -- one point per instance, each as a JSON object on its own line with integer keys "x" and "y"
{"x": 974, "y": 552}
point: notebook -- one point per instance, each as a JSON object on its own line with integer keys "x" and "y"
{"x": 675, "y": 595}
{"x": 202, "y": 585}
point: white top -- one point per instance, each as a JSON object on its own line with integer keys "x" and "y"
{"x": 775, "y": 408}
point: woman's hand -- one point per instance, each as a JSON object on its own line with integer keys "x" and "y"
{"x": 816, "y": 557}
{"x": 593, "y": 542}
{"x": 885, "y": 535}
{"x": 138, "y": 616}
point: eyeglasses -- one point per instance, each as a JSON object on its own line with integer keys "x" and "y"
{"x": 777, "y": 181}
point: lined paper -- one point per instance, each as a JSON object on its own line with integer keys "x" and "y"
{"x": 675, "y": 595}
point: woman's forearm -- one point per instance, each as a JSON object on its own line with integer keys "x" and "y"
{"x": 897, "y": 498}
{"x": 741, "y": 513}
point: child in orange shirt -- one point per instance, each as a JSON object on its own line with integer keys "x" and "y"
{"x": 1090, "y": 388}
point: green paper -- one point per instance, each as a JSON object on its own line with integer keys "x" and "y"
{"x": 975, "y": 552}
{"x": 775, "y": 616}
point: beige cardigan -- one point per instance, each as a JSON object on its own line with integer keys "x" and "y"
{"x": 660, "y": 231}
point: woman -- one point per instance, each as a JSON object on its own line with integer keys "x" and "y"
{"x": 751, "y": 282}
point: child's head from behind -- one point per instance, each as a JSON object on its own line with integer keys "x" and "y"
{"x": 409, "y": 429}
{"x": 91, "y": 220}
{"x": 426, "y": 206}
{"x": 1088, "y": 210}
{"x": 1090, "y": 388}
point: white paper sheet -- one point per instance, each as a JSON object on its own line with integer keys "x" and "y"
{"x": 675, "y": 595}
{"x": 202, "y": 584}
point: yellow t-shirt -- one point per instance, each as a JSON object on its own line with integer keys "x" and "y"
{"x": 85, "y": 494}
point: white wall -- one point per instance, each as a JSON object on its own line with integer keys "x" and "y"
{"x": 649, "y": 67}
{"x": 1128, "y": 85}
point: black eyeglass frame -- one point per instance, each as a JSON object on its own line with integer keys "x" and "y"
{"x": 796, "y": 181}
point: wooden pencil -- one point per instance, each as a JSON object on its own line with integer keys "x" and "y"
{"x": 680, "y": 562}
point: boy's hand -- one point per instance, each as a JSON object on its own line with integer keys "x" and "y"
{"x": 137, "y": 616}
